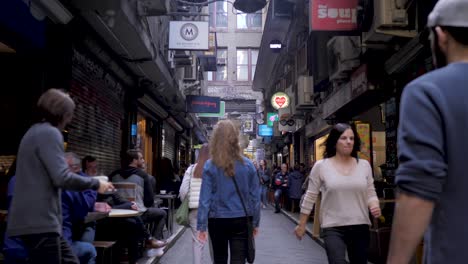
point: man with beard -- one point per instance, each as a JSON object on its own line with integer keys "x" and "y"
{"x": 432, "y": 144}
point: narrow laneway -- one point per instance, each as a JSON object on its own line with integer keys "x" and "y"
{"x": 275, "y": 244}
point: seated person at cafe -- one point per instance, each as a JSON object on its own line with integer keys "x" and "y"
{"x": 129, "y": 232}
{"x": 13, "y": 250}
{"x": 144, "y": 197}
{"x": 75, "y": 207}
{"x": 89, "y": 166}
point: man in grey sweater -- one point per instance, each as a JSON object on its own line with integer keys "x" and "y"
{"x": 35, "y": 213}
{"x": 432, "y": 145}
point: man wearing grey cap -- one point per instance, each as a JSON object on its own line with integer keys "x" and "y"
{"x": 432, "y": 148}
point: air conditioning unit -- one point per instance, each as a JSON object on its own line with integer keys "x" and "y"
{"x": 221, "y": 61}
{"x": 391, "y": 19}
{"x": 154, "y": 7}
{"x": 343, "y": 57}
{"x": 305, "y": 92}
{"x": 191, "y": 71}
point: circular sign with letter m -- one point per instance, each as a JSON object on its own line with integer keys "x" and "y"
{"x": 189, "y": 31}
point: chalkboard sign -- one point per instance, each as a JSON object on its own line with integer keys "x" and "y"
{"x": 391, "y": 126}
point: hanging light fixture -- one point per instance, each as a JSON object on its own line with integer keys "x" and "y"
{"x": 249, "y": 6}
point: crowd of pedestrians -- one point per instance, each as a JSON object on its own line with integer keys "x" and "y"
{"x": 227, "y": 191}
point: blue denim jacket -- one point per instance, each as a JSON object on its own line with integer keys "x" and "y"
{"x": 218, "y": 196}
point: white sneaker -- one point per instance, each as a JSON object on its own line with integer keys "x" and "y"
{"x": 156, "y": 252}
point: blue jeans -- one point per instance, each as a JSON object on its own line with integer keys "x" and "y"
{"x": 264, "y": 194}
{"x": 85, "y": 252}
{"x": 89, "y": 233}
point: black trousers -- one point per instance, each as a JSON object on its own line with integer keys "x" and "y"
{"x": 157, "y": 216}
{"x": 354, "y": 238}
{"x": 129, "y": 232}
{"x": 49, "y": 248}
{"x": 228, "y": 233}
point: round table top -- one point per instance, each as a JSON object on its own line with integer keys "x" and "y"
{"x": 123, "y": 213}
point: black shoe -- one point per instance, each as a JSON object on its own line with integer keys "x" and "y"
{"x": 277, "y": 211}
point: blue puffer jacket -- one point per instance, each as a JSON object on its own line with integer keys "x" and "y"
{"x": 219, "y": 199}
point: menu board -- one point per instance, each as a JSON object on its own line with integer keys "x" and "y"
{"x": 364, "y": 133}
{"x": 391, "y": 126}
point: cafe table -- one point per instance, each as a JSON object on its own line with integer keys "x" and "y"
{"x": 95, "y": 216}
{"x": 170, "y": 204}
{"x": 124, "y": 213}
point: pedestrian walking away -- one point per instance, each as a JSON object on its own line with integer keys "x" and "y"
{"x": 191, "y": 186}
{"x": 221, "y": 209}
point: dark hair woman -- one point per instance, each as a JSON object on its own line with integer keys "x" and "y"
{"x": 221, "y": 207}
{"x": 346, "y": 200}
{"x": 191, "y": 186}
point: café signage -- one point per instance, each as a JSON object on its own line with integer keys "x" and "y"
{"x": 188, "y": 35}
{"x": 333, "y": 15}
{"x": 202, "y": 104}
{"x": 280, "y": 100}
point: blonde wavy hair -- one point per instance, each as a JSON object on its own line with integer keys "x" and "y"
{"x": 224, "y": 146}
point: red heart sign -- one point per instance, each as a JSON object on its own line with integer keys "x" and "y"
{"x": 280, "y": 101}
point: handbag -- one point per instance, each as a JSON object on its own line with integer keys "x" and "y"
{"x": 250, "y": 237}
{"x": 182, "y": 213}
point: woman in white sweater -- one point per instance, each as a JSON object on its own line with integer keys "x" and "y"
{"x": 191, "y": 186}
{"x": 348, "y": 194}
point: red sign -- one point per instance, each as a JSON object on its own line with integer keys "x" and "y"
{"x": 333, "y": 15}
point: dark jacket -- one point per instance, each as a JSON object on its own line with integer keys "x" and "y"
{"x": 296, "y": 179}
{"x": 265, "y": 176}
{"x": 13, "y": 248}
{"x": 279, "y": 180}
{"x": 75, "y": 207}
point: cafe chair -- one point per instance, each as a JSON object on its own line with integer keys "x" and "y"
{"x": 127, "y": 190}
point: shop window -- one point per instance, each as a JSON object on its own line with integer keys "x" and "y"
{"x": 144, "y": 143}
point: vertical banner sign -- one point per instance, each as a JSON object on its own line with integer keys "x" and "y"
{"x": 364, "y": 133}
{"x": 333, "y": 15}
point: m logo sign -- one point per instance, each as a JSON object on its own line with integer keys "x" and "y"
{"x": 189, "y": 32}
{"x": 188, "y": 35}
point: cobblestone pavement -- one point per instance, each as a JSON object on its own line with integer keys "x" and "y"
{"x": 276, "y": 244}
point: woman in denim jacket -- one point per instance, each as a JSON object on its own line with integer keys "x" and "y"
{"x": 220, "y": 208}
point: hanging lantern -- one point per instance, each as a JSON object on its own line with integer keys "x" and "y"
{"x": 249, "y": 6}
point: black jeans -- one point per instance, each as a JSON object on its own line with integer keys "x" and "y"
{"x": 354, "y": 238}
{"x": 48, "y": 248}
{"x": 158, "y": 216}
{"x": 228, "y": 233}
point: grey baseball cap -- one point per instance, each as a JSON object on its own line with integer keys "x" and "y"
{"x": 452, "y": 13}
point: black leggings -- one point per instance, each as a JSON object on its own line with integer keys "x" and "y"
{"x": 228, "y": 233}
{"x": 354, "y": 238}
